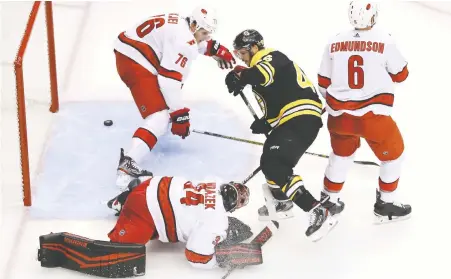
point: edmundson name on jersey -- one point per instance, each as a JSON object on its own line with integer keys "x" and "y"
{"x": 357, "y": 46}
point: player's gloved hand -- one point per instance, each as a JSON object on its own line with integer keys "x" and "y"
{"x": 180, "y": 122}
{"x": 261, "y": 126}
{"x": 237, "y": 231}
{"x": 222, "y": 63}
{"x": 234, "y": 84}
{"x": 214, "y": 48}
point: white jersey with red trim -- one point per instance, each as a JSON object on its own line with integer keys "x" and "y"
{"x": 358, "y": 71}
{"x": 187, "y": 212}
{"x": 164, "y": 45}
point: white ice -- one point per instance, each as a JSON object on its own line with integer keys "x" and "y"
{"x": 73, "y": 156}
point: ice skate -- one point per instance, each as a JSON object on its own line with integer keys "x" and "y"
{"x": 335, "y": 208}
{"x": 386, "y": 212}
{"x": 321, "y": 221}
{"x": 274, "y": 198}
{"x": 283, "y": 210}
{"x": 128, "y": 170}
{"x": 118, "y": 202}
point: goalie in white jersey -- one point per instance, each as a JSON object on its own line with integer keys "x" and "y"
{"x": 154, "y": 59}
{"x": 356, "y": 77}
{"x": 172, "y": 209}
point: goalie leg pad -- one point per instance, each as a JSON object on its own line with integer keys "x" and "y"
{"x": 94, "y": 257}
{"x": 238, "y": 255}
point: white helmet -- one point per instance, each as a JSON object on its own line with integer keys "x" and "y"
{"x": 205, "y": 17}
{"x": 362, "y": 14}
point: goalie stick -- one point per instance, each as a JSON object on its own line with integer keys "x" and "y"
{"x": 265, "y": 234}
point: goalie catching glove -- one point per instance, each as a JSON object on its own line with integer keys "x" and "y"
{"x": 237, "y": 232}
{"x": 180, "y": 122}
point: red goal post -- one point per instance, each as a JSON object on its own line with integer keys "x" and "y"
{"x": 20, "y": 89}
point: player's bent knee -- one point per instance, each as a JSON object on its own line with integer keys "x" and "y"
{"x": 95, "y": 257}
{"x": 275, "y": 170}
{"x": 157, "y": 123}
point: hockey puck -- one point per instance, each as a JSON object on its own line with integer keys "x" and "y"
{"x": 108, "y": 122}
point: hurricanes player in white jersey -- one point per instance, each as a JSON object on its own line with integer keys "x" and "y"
{"x": 356, "y": 77}
{"x": 172, "y": 209}
{"x": 154, "y": 59}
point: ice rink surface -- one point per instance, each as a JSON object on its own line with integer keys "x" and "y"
{"x": 74, "y": 156}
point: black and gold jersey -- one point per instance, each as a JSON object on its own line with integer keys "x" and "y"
{"x": 282, "y": 89}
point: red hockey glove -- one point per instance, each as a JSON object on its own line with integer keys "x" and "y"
{"x": 180, "y": 122}
{"x": 214, "y": 48}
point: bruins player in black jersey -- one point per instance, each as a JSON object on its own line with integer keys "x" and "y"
{"x": 292, "y": 118}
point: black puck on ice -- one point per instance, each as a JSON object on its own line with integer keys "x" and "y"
{"x": 108, "y": 122}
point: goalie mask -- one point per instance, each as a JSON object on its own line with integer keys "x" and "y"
{"x": 235, "y": 195}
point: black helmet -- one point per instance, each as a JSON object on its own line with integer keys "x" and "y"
{"x": 247, "y": 39}
{"x": 234, "y": 195}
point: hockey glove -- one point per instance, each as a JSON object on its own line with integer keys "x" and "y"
{"x": 234, "y": 85}
{"x": 261, "y": 126}
{"x": 180, "y": 122}
{"x": 237, "y": 232}
{"x": 214, "y": 48}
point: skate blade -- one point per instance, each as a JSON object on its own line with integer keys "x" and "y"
{"x": 329, "y": 225}
{"x": 380, "y": 219}
{"x": 278, "y": 216}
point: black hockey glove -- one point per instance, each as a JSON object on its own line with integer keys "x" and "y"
{"x": 234, "y": 84}
{"x": 261, "y": 126}
{"x": 237, "y": 232}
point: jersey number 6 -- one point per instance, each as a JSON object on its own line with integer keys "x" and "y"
{"x": 356, "y": 78}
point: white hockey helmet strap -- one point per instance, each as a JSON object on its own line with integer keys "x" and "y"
{"x": 205, "y": 18}
{"x": 363, "y": 14}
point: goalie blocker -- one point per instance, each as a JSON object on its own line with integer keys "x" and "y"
{"x": 94, "y": 257}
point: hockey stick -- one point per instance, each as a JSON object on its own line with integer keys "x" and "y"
{"x": 265, "y": 234}
{"x": 251, "y": 175}
{"x": 368, "y": 163}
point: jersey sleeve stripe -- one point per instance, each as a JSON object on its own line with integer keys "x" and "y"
{"x": 170, "y": 74}
{"x": 401, "y": 76}
{"x": 269, "y": 77}
{"x": 145, "y": 50}
{"x": 146, "y": 136}
{"x": 386, "y": 99}
{"x": 197, "y": 258}
{"x": 264, "y": 73}
{"x": 166, "y": 208}
{"x": 324, "y": 82}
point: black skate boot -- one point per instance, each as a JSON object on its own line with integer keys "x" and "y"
{"x": 334, "y": 208}
{"x": 390, "y": 212}
{"x": 277, "y": 199}
{"x": 321, "y": 221}
{"x": 127, "y": 170}
{"x": 118, "y": 202}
